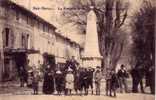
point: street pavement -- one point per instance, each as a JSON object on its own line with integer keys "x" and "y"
{"x": 129, "y": 96}
{"x": 12, "y": 91}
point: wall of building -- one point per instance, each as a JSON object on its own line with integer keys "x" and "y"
{"x": 9, "y": 20}
{"x": 41, "y": 36}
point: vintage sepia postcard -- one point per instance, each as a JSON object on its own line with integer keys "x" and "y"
{"x": 77, "y": 49}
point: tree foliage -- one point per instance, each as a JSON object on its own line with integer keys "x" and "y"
{"x": 143, "y": 35}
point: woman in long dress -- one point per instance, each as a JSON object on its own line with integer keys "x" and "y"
{"x": 48, "y": 84}
{"x": 59, "y": 78}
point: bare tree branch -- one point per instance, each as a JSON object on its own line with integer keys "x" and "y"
{"x": 123, "y": 20}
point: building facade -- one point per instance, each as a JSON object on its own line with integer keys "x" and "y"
{"x": 25, "y": 37}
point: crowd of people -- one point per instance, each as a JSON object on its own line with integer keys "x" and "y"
{"x": 71, "y": 78}
{"x": 78, "y": 80}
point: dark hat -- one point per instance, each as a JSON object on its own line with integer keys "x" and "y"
{"x": 97, "y": 66}
{"x": 122, "y": 66}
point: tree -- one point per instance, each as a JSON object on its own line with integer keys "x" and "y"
{"x": 111, "y": 15}
{"x": 143, "y": 34}
{"x": 143, "y": 50}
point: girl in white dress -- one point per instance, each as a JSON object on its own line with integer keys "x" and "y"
{"x": 69, "y": 81}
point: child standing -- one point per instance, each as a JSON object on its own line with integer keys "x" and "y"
{"x": 30, "y": 78}
{"x": 114, "y": 84}
{"x": 35, "y": 83}
{"x": 59, "y": 81}
{"x": 69, "y": 81}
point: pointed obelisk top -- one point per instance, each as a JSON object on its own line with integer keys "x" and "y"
{"x": 91, "y": 56}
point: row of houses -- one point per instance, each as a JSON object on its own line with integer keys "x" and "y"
{"x": 24, "y": 36}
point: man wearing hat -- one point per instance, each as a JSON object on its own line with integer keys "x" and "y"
{"x": 89, "y": 80}
{"x": 97, "y": 78}
{"x": 73, "y": 63}
{"x": 123, "y": 75}
{"x": 108, "y": 81}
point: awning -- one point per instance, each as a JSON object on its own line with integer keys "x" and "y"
{"x": 20, "y": 50}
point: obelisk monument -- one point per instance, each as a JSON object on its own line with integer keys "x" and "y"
{"x": 91, "y": 56}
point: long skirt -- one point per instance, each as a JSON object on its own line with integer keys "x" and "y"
{"x": 48, "y": 85}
